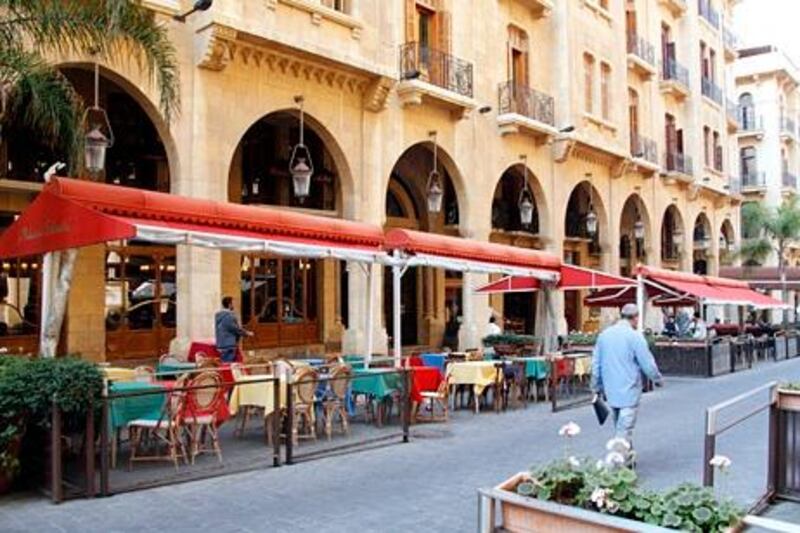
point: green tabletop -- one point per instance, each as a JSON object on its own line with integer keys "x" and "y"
{"x": 175, "y": 367}
{"x": 535, "y": 367}
{"x": 375, "y": 382}
{"x": 146, "y": 406}
{"x": 355, "y": 361}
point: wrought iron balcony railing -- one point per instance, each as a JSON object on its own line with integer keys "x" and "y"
{"x": 732, "y": 111}
{"x": 729, "y": 39}
{"x": 711, "y": 90}
{"x": 674, "y": 71}
{"x": 749, "y": 121}
{"x": 788, "y": 125}
{"x": 435, "y": 67}
{"x": 644, "y": 148}
{"x": 641, "y": 48}
{"x": 789, "y": 180}
{"x": 675, "y": 161}
{"x": 734, "y": 185}
{"x": 521, "y": 99}
{"x": 710, "y": 14}
{"x": 752, "y": 179}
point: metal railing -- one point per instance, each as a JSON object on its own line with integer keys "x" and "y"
{"x": 734, "y": 185}
{"x": 521, "y": 99}
{"x": 678, "y": 162}
{"x": 789, "y": 180}
{"x": 753, "y": 179}
{"x": 436, "y": 67}
{"x": 788, "y": 125}
{"x": 748, "y": 121}
{"x": 644, "y": 148}
{"x": 674, "y": 71}
{"x": 732, "y": 111}
{"x": 710, "y": 14}
{"x": 729, "y": 39}
{"x": 711, "y": 90}
{"x": 641, "y": 48}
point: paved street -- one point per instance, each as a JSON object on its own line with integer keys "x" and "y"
{"x": 429, "y": 484}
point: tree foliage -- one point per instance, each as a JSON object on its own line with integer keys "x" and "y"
{"x": 36, "y": 96}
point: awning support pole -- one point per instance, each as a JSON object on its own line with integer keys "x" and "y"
{"x": 57, "y": 279}
{"x": 640, "y": 300}
{"x": 397, "y": 279}
{"x": 47, "y": 297}
{"x": 370, "y": 312}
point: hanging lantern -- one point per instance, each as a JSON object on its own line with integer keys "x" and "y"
{"x": 591, "y": 222}
{"x": 723, "y": 243}
{"x": 98, "y": 137}
{"x": 434, "y": 188}
{"x": 300, "y": 165}
{"x": 525, "y": 202}
{"x": 638, "y": 228}
{"x": 677, "y": 236}
{"x": 255, "y": 186}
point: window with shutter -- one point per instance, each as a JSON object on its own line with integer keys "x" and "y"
{"x": 588, "y": 82}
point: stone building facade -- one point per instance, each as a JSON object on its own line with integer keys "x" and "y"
{"x": 614, "y": 108}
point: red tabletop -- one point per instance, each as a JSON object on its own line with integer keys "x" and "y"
{"x": 209, "y": 349}
{"x": 424, "y": 379}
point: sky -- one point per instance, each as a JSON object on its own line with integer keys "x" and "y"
{"x": 761, "y": 22}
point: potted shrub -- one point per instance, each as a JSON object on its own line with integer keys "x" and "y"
{"x": 588, "y": 495}
{"x": 27, "y": 390}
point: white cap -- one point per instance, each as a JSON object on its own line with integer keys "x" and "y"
{"x": 629, "y": 311}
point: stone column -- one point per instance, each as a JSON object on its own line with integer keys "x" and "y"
{"x": 86, "y": 328}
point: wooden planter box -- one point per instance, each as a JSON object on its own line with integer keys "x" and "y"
{"x": 528, "y": 515}
{"x": 792, "y": 346}
{"x": 789, "y": 400}
{"x": 781, "y": 345}
{"x": 522, "y": 514}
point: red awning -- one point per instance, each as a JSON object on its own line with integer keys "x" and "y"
{"x": 465, "y": 254}
{"x": 71, "y": 213}
{"x": 571, "y": 278}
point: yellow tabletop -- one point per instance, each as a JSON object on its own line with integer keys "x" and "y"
{"x": 115, "y": 373}
{"x": 583, "y": 365}
{"x": 480, "y": 374}
{"x": 260, "y": 394}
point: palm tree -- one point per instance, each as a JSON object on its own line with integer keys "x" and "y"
{"x": 33, "y": 93}
{"x": 770, "y": 231}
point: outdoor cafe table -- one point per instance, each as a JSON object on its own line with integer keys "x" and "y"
{"x": 436, "y": 360}
{"x": 535, "y": 367}
{"x": 583, "y": 364}
{"x": 375, "y": 382}
{"x": 254, "y": 391}
{"x": 114, "y": 373}
{"x": 424, "y": 379}
{"x": 145, "y": 406}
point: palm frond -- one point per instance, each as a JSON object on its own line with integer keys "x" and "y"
{"x": 755, "y": 250}
{"x": 754, "y": 218}
{"x": 786, "y": 223}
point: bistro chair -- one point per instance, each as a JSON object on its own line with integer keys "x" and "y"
{"x": 562, "y": 375}
{"x": 440, "y": 397}
{"x": 202, "y": 413}
{"x": 206, "y": 362}
{"x": 335, "y": 402}
{"x": 305, "y": 384}
{"x": 164, "y": 431}
{"x": 144, "y": 373}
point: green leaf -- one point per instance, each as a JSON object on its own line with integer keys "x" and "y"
{"x": 702, "y": 515}
{"x": 526, "y": 488}
{"x": 671, "y": 520}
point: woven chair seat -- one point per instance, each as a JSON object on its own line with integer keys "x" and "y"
{"x": 151, "y": 424}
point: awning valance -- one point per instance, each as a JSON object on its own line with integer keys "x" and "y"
{"x": 571, "y": 278}
{"x": 466, "y": 255}
{"x": 71, "y": 213}
{"x": 768, "y": 278}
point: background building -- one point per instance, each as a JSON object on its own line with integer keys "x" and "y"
{"x": 614, "y": 111}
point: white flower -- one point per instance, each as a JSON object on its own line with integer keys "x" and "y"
{"x": 569, "y": 430}
{"x": 612, "y": 507}
{"x": 574, "y": 462}
{"x": 618, "y": 444}
{"x": 599, "y": 496}
{"x": 720, "y": 461}
{"x": 600, "y": 464}
{"x": 615, "y": 459}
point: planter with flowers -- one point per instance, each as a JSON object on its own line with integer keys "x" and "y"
{"x": 789, "y": 396}
{"x": 581, "y": 494}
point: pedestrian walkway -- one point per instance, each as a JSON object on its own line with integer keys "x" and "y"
{"x": 429, "y": 484}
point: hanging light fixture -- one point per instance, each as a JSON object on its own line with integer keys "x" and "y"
{"x": 434, "y": 188}
{"x": 591, "y": 216}
{"x": 723, "y": 243}
{"x": 98, "y": 136}
{"x": 525, "y": 202}
{"x": 638, "y": 226}
{"x": 300, "y": 165}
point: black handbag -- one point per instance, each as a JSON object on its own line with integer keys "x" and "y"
{"x": 601, "y": 409}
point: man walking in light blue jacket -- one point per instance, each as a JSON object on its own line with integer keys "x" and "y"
{"x": 621, "y": 355}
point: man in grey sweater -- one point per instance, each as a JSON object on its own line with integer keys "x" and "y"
{"x": 228, "y": 331}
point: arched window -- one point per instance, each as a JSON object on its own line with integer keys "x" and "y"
{"x": 747, "y": 111}
{"x": 749, "y": 166}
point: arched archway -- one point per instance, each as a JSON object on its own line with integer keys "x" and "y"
{"x": 635, "y": 234}
{"x": 701, "y": 244}
{"x": 585, "y": 227}
{"x": 431, "y": 299}
{"x": 673, "y": 237}
{"x": 747, "y": 111}
{"x": 282, "y": 300}
{"x": 138, "y": 309}
{"x": 727, "y": 243}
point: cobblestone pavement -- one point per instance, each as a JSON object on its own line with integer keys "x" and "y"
{"x": 429, "y": 484}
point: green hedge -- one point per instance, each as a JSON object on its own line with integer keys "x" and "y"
{"x": 513, "y": 340}
{"x": 27, "y": 390}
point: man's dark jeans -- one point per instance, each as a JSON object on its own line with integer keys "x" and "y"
{"x": 227, "y": 355}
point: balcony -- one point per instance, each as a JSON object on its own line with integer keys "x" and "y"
{"x": 539, "y": 8}
{"x": 711, "y": 90}
{"x": 750, "y": 125}
{"x": 678, "y": 8}
{"x": 734, "y": 186}
{"x": 730, "y": 42}
{"x": 427, "y": 73}
{"x": 708, "y": 13}
{"x": 644, "y": 151}
{"x": 523, "y": 108}
{"x": 674, "y": 79}
{"x": 641, "y": 56}
{"x": 753, "y": 181}
{"x": 678, "y": 166}
{"x": 788, "y": 129}
{"x": 789, "y": 182}
{"x": 732, "y": 116}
